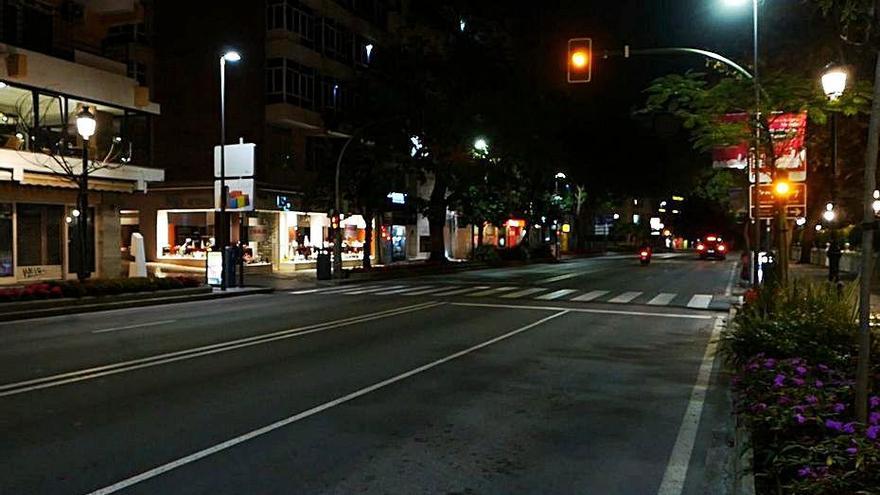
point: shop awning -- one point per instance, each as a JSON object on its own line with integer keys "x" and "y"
{"x": 46, "y": 180}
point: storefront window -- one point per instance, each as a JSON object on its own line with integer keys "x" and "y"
{"x": 39, "y": 234}
{"x": 6, "y": 263}
{"x": 303, "y": 235}
{"x": 16, "y": 117}
{"x": 184, "y": 234}
{"x": 262, "y": 234}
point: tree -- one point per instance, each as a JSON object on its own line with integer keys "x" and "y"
{"x": 56, "y": 151}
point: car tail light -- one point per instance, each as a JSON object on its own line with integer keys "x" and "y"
{"x": 722, "y": 247}
{"x": 700, "y": 247}
{"x": 644, "y": 253}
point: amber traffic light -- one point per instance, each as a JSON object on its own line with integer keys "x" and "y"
{"x": 580, "y": 60}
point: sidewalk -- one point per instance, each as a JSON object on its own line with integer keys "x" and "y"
{"x": 820, "y": 273}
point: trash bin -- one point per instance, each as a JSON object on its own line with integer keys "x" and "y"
{"x": 324, "y": 267}
{"x": 231, "y": 265}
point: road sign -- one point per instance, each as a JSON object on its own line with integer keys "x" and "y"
{"x": 795, "y": 204}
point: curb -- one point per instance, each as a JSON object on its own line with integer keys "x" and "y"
{"x": 729, "y": 458}
{"x": 125, "y": 304}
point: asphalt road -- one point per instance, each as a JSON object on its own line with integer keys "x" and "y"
{"x": 451, "y": 385}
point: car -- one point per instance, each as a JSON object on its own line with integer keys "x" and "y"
{"x": 712, "y": 247}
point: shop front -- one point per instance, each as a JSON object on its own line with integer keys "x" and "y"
{"x": 304, "y": 235}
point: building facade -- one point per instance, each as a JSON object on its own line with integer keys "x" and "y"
{"x": 54, "y": 62}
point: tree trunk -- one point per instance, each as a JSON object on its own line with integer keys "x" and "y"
{"x": 368, "y": 239}
{"x": 867, "y": 265}
{"x": 437, "y": 219}
{"x": 480, "y": 232}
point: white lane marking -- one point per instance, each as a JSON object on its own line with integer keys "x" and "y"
{"x": 560, "y": 278}
{"x": 523, "y": 293}
{"x": 492, "y": 292}
{"x": 461, "y": 291}
{"x": 130, "y": 327}
{"x": 680, "y": 459}
{"x": 729, "y": 290}
{"x": 170, "y": 357}
{"x": 556, "y": 294}
{"x": 232, "y": 442}
{"x": 375, "y": 289}
{"x": 431, "y": 291}
{"x": 662, "y": 299}
{"x": 589, "y": 296}
{"x": 400, "y": 291}
{"x": 700, "y": 301}
{"x": 585, "y": 310}
{"x": 625, "y": 297}
{"x": 326, "y": 290}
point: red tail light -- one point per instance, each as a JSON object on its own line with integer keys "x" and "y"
{"x": 700, "y": 247}
{"x": 722, "y": 247}
{"x": 644, "y": 254}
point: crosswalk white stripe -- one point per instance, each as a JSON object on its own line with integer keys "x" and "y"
{"x": 625, "y": 297}
{"x": 430, "y": 291}
{"x": 523, "y": 293}
{"x": 329, "y": 290}
{"x": 461, "y": 291}
{"x": 556, "y": 294}
{"x": 405, "y": 289}
{"x": 354, "y": 288}
{"x": 375, "y": 289}
{"x": 492, "y": 292}
{"x": 700, "y": 301}
{"x": 662, "y": 299}
{"x": 589, "y": 296}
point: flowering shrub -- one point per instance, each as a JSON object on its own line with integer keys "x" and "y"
{"x": 810, "y": 320}
{"x": 95, "y": 287}
{"x": 803, "y": 430}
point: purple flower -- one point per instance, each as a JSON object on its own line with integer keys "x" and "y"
{"x": 798, "y": 381}
{"x": 799, "y": 408}
{"x": 849, "y": 428}
{"x": 833, "y": 425}
{"x": 760, "y": 406}
{"x": 805, "y": 472}
{"x": 801, "y": 370}
{"x": 874, "y": 418}
{"x": 770, "y": 363}
{"x": 852, "y": 450}
{"x": 800, "y": 418}
{"x": 839, "y": 407}
{"x": 812, "y": 399}
{"x": 779, "y": 381}
{"x": 872, "y": 432}
{"x": 819, "y": 384}
{"x": 875, "y": 401}
{"x": 753, "y": 367}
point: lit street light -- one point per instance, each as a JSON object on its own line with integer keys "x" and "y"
{"x": 85, "y": 127}
{"x": 833, "y": 84}
{"x": 481, "y": 145}
{"x": 230, "y": 56}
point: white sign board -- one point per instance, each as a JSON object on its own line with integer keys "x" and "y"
{"x": 240, "y": 195}
{"x": 215, "y": 268}
{"x": 239, "y": 160}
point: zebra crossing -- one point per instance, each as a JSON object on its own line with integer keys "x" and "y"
{"x": 693, "y": 301}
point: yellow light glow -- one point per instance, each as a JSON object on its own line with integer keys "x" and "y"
{"x": 782, "y": 188}
{"x": 579, "y": 59}
{"x": 566, "y": 228}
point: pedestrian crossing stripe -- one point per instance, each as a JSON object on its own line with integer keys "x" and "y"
{"x": 694, "y": 301}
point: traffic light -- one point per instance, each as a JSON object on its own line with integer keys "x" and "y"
{"x": 580, "y": 60}
{"x": 782, "y": 188}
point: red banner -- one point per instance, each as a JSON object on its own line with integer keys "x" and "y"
{"x": 788, "y": 131}
{"x": 735, "y": 155}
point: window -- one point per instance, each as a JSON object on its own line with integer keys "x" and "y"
{"x": 291, "y": 16}
{"x": 138, "y": 72}
{"x": 126, "y": 33}
{"x": 6, "y": 263}
{"x": 39, "y": 234}
{"x": 184, "y": 234}
{"x": 16, "y": 117}
{"x": 290, "y": 82}
{"x": 129, "y": 223}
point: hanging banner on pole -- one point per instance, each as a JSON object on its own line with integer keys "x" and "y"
{"x": 789, "y": 133}
{"x": 239, "y": 197}
{"x": 736, "y": 155}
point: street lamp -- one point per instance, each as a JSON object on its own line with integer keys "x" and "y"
{"x": 85, "y": 127}
{"x": 755, "y": 167}
{"x": 231, "y": 56}
{"x": 834, "y": 84}
{"x": 481, "y": 145}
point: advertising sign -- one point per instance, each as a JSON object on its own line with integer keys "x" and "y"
{"x": 215, "y": 268}
{"x": 239, "y": 160}
{"x": 735, "y": 155}
{"x": 788, "y": 131}
{"x": 240, "y": 195}
{"x": 796, "y": 204}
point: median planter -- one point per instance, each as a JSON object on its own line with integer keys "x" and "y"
{"x": 13, "y": 307}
